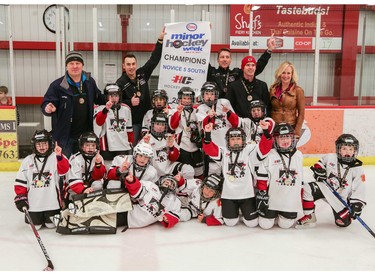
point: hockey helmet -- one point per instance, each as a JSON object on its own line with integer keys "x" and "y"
{"x": 158, "y": 120}
{"x": 159, "y": 94}
{"x": 42, "y": 136}
{"x": 235, "y": 132}
{"x": 346, "y": 140}
{"x": 284, "y": 130}
{"x": 214, "y": 182}
{"x": 167, "y": 183}
{"x": 143, "y": 149}
{"x": 113, "y": 89}
{"x": 257, "y": 104}
{"x": 189, "y": 92}
{"x": 210, "y": 87}
{"x": 85, "y": 138}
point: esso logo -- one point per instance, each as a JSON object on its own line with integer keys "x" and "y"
{"x": 303, "y": 43}
{"x": 191, "y": 27}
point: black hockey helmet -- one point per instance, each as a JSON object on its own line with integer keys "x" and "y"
{"x": 88, "y": 137}
{"x": 284, "y": 130}
{"x": 162, "y": 94}
{"x": 349, "y": 140}
{"x": 167, "y": 183}
{"x": 235, "y": 132}
{"x": 159, "y": 119}
{"x": 257, "y": 104}
{"x": 210, "y": 87}
{"x": 186, "y": 91}
{"x": 113, "y": 89}
{"x": 42, "y": 136}
{"x": 214, "y": 182}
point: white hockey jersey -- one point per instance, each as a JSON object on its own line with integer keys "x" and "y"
{"x": 284, "y": 185}
{"x": 114, "y": 129}
{"x": 190, "y": 197}
{"x": 43, "y": 193}
{"x": 184, "y": 131}
{"x": 147, "y": 208}
{"x": 221, "y": 124}
{"x": 149, "y": 174}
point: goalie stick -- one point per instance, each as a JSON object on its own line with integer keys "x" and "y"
{"x": 348, "y": 207}
{"x": 50, "y": 266}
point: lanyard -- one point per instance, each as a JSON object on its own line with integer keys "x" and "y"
{"x": 287, "y": 169}
{"x": 249, "y": 96}
{"x": 87, "y": 170}
{"x": 341, "y": 180}
{"x": 143, "y": 172}
{"x": 233, "y": 164}
{"x": 43, "y": 166}
{"x": 200, "y": 206}
{"x": 187, "y": 118}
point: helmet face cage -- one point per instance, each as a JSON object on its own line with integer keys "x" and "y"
{"x": 144, "y": 149}
{"x": 113, "y": 89}
{"x": 346, "y": 140}
{"x": 235, "y": 132}
{"x": 214, "y": 182}
{"x": 91, "y": 138}
{"x": 159, "y": 119}
{"x": 186, "y": 92}
{"x": 167, "y": 183}
{"x": 209, "y": 87}
{"x": 162, "y": 94}
{"x": 284, "y": 130}
{"x": 42, "y": 136}
{"x": 257, "y": 104}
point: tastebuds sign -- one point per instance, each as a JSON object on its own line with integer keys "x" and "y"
{"x": 294, "y": 26}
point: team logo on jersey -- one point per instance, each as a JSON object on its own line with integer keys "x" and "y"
{"x": 238, "y": 169}
{"x": 220, "y": 122}
{"x": 119, "y": 126}
{"x": 42, "y": 182}
{"x": 162, "y": 155}
{"x": 287, "y": 178}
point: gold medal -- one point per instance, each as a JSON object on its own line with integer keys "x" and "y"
{"x": 231, "y": 178}
{"x": 225, "y": 90}
{"x": 249, "y": 98}
{"x": 118, "y": 129}
{"x": 39, "y": 183}
{"x": 81, "y": 100}
{"x": 288, "y": 181}
{"x": 138, "y": 93}
{"x": 187, "y": 129}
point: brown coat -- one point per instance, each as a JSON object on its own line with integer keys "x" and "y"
{"x": 292, "y": 108}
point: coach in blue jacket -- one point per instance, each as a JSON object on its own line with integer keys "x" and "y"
{"x": 70, "y": 101}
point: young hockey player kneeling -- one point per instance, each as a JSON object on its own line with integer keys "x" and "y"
{"x": 279, "y": 181}
{"x": 37, "y": 181}
{"x": 203, "y": 200}
{"x": 344, "y": 173}
{"x": 151, "y": 203}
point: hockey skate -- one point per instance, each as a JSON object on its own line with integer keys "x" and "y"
{"x": 307, "y": 221}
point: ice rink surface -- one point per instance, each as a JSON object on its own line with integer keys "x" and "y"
{"x": 192, "y": 246}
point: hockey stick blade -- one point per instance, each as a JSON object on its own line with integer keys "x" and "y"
{"x": 50, "y": 266}
{"x": 338, "y": 196}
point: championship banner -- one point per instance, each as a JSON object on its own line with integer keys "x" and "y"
{"x": 185, "y": 57}
{"x": 8, "y": 134}
{"x": 293, "y": 26}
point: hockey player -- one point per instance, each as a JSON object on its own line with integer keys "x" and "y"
{"x": 159, "y": 102}
{"x": 344, "y": 172}
{"x": 137, "y": 165}
{"x": 279, "y": 181}
{"x": 202, "y": 200}
{"x": 87, "y": 170}
{"x": 211, "y": 111}
{"x": 37, "y": 181}
{"x": 166, "y": 150}
{"x": 152, "y": 203}
{"x": 188, "y": 132}
{"x": 238, "y": 161}
{"x": 113, "y": 125}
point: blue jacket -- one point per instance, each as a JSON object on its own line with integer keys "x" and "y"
{"x": 60, "y": 93}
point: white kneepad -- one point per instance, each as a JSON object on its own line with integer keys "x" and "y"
{"x": 250, "y": 223}
{"x": 266, "y": 223}
{"x": 231, "y": 221}
{"x": 285, "y": 223}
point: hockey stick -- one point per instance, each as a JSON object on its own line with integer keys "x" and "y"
{"x": 50, "y": 266}
{"x": 348, "y": 207}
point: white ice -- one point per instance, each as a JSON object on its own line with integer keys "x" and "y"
{"x": 191, "y": 245}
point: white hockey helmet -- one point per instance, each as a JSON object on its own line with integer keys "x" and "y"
{"x": 144, "y": 149}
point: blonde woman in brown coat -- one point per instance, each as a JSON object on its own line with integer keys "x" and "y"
{"x": 287, "y": 98}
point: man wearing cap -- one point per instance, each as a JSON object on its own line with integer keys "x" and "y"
{"x": 134, "y": 85}
{"x": 248, "y": 88}
{"x": 223, "y": 75}
{"x": 70, "y": 101}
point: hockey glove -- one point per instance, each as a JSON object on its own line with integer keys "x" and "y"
{"x": 356, "y": 209}
{"x": 21, "y": 201}
{"x": 320, "y": 174}
{"x": 262, "y": 202}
